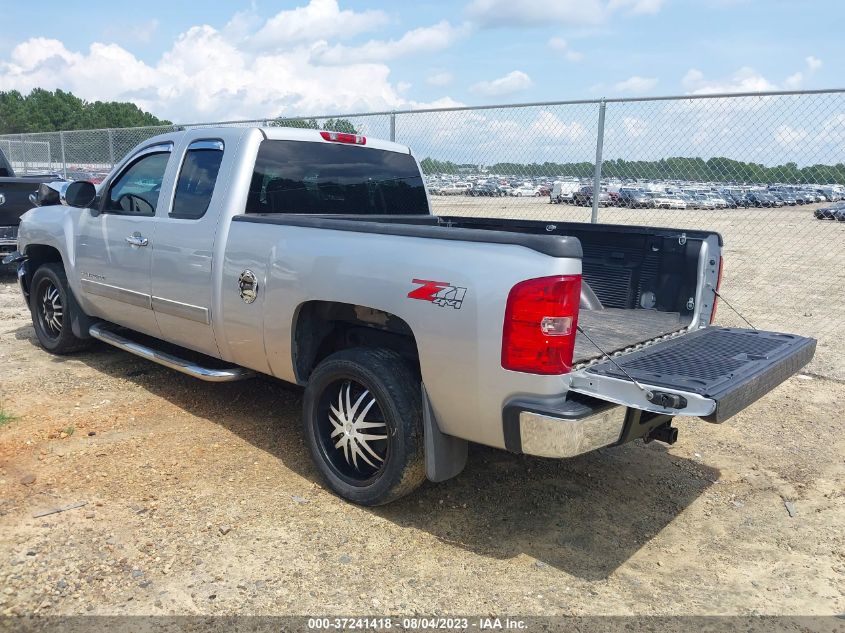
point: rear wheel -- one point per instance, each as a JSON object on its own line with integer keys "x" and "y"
{"x": 363, "y": 424}
{"x": 53, "y": 306}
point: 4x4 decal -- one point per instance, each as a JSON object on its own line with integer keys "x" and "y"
{"x": 440, "y": 293}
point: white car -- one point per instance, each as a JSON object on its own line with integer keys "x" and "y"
{"x": 667, "y": 201}
{"x": 524, "y": 191}
{"x": 719, "y": 202}
{"x": 563, "y": 191}
{"x": 455, "y": 189}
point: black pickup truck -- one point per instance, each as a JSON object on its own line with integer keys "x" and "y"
{"x": 14, "y": 200}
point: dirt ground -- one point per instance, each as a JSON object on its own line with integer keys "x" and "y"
{"x": 201, "y": 499}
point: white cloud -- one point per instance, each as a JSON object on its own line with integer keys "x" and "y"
{"x": 509, "y": 13}
{"x": 251, "y": 68}
{"x": 440, "y": 79}
{"x": 833, "y": 130}
{"x": 794, "y": 81}
{"x": 142, "y": 31}
{"x": 514, "y": 81}
{"x": 636, "y": 84}
{"x": 746, "y": 79}
{"x": 424, "y": 40}
{"x": 550, "y": 126}
{"x": 560, "y": 45}
{"x": 319, "y": 19}
{"x": 789, "y": 136}
{"x": 639, "y": 7}
{"x": 634, "y": 126}
{"x": 692, "y": 78}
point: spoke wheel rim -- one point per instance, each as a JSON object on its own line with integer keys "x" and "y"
{"x": 50, "y": 309}
{"x": 352, "y": 432}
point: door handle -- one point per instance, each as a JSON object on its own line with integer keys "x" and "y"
{"x": 136, "y": 239}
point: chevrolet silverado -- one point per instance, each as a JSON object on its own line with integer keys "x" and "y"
{"x": 313, "y": 257}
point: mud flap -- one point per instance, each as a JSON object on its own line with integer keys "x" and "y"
{"x": 712, "y": 373}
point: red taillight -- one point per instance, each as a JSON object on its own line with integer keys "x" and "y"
{"x": 343, "y": 137}
{"x": 715, "y": 296}
{"x": 540, "y": 321}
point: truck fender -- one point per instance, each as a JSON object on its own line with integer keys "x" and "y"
{"x": 445, "y": 455}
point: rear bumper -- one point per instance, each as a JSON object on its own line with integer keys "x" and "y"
{"x": 572, "y": 425}
{"x": 712, "y": 373}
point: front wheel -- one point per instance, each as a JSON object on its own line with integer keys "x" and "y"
{"x": 362, "y": 414}
{"x": 52, "y": 306}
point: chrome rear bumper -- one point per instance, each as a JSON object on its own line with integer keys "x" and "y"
{"x": 548, "y": 436}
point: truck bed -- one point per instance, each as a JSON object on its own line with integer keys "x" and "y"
{"x": 615, "y": 329}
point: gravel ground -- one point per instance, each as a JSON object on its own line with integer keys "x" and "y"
{"x": 201, "y": 499}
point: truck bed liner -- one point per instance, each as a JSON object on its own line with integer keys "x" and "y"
{"x": 615, "y": 329}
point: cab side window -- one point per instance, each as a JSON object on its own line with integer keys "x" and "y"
{"x": 136, "y": 190}
{"x": 197, "y": 179}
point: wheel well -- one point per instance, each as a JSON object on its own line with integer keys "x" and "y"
{"x": 40, "y": 254}
{"x": 36, "y": 255}
{"x": 325, "y": 327}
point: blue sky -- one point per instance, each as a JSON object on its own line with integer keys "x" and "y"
{"x": 187, "y": 61}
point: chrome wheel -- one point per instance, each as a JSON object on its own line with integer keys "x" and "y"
{"x": 50, "y": 309}
{"x": 352, "y": 432}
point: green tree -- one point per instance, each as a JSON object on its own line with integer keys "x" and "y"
{"x": 333, "y": 125}
{"x": 49, "y": 111}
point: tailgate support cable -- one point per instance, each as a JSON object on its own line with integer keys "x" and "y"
{"x": 648, "y": 394}
{"x": 718, "y": 294}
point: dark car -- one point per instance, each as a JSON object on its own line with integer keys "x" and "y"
{"x": 786, "y": 197}
{"x": 762, "y": 199}
{"x": 732, "y": 201}
{"x": 634, "y": 198}
{"x": 834, "y": 211}
{"x": 804, "y": 197}
{"x": 486, "y": 189}
{"x": 584, "y": 197}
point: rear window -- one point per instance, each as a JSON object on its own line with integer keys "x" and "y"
{"x": 323, "y": 178}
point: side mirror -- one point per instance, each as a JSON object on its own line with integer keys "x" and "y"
{"x": 80, "y": 194}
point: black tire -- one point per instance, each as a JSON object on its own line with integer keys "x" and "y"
{"x": 53, "y": 308}
{"x": 395, "y": 465}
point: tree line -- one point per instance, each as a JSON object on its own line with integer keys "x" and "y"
{"x": 331, "y": 125}
{"x": 50, "y": 111}
{"x": 717, "y": 169}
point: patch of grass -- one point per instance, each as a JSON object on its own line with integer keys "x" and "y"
{"x": 5, "y": 418}
{"x": 69, "y": 431}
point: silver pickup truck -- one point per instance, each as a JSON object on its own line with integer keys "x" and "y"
{"x": 313, "y": 257}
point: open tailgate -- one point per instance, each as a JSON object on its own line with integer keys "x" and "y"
{"x": 712, "y": 373}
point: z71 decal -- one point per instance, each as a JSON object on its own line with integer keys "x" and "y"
{"x": 440, "y": 293}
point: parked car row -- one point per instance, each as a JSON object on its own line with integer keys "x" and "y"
{"x": 666, "y": 194}
{"x": 486, "y": 189}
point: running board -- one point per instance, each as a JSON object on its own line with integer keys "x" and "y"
{"x": 101, "y": 331}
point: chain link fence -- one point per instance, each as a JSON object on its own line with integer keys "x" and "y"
{"x": 758, "y": 168}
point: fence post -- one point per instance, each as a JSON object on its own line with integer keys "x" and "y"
{"x": 23, "y": 155}
{"x": 597, "y": 174}
{"x": 393, "y": 126}
{"x": 111, "y": 147}
{"x": 64, "y": 162}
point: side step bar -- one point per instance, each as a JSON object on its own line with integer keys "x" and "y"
{"x": 102, "y": 332}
